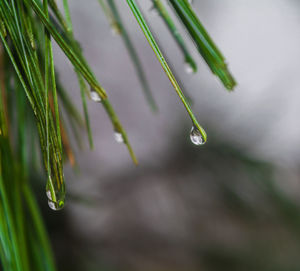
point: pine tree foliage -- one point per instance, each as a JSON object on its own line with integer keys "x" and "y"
{"x": 35, "y": 107}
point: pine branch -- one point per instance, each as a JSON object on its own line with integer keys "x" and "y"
{"x": 118, "y": 26}
{"x": 32, "y": 103}
{"x": 203, "y": 41}
{"x": 145, "y": 28}
{"x": 190, "y": 62}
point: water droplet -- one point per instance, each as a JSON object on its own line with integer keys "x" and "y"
{"x": 118, "y": 137}
{"x": 48, "y": 193}
{"x": 95, "y": 96}
{"x": 188, "y": 68}
{"x": 190, "y": 2}
{"x": 57, "y": 201}
{"x": 196, "y": 136}
{"x": 56, "y": 206}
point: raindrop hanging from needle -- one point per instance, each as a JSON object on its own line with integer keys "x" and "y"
{"x": 196, "y": 136}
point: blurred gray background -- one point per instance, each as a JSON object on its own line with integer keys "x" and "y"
{"x": 229, "y": 205}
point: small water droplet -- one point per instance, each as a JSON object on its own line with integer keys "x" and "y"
{"x": 196, "y": 137}
{"x": 188, "y": 68}
{"x": 118, "y": 137}
{"x": 190, "y": 2}
{"x": 56, "y": 206}
{"x": 95, "y": 96}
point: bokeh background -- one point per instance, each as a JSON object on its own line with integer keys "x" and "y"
{"x": 232, "y": 204}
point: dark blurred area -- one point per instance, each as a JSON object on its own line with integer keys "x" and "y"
{"x": 214, "y": 209}
{"x": 232, "y": 204}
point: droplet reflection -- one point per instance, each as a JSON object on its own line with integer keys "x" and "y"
{"x": 56, "y": 206}
{"x": 196, "y": 137}
{"x": 57, "y": 201}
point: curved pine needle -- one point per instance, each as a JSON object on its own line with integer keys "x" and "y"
{"x": 12, "y": 231}
{"x": 69, "y": 29}
{"x": 39, "y": 227}
{"x": 133, "y": 55}
{"x": 204, "y": 43}
{"x": 47, "y": 80}
{"x": 118, "y": 128}
{"x": 58, "y": 185}
{"x": 142, "y": 23}
{"x": 73, "y": 57}
{"x": 34, "y": 86}
{"x": 158, "y": 4}
{"x": 85, "y": 109}
{"x": 114, "y": 24}
{"x": 106, "y": 104}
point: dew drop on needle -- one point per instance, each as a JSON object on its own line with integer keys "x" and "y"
{"x": 196, "y": 137}
{"x": 57, "y": 201}
{"x": 56, "y": 206}
{"x": 118, "y": 137}
{"x": 95, "y": 96}
{"x": 188, "y": 68}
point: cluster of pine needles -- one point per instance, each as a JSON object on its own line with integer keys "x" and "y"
{"x": 35, "y": 108}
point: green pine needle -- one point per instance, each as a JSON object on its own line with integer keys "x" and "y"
{"x": 34, "y": 105}
{"x": 142, "y": 23}
{"x": 203, "y": 41}
{"x": 158, "y": 4}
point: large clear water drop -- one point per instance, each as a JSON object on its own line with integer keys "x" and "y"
{"x": 196, "y": 136}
